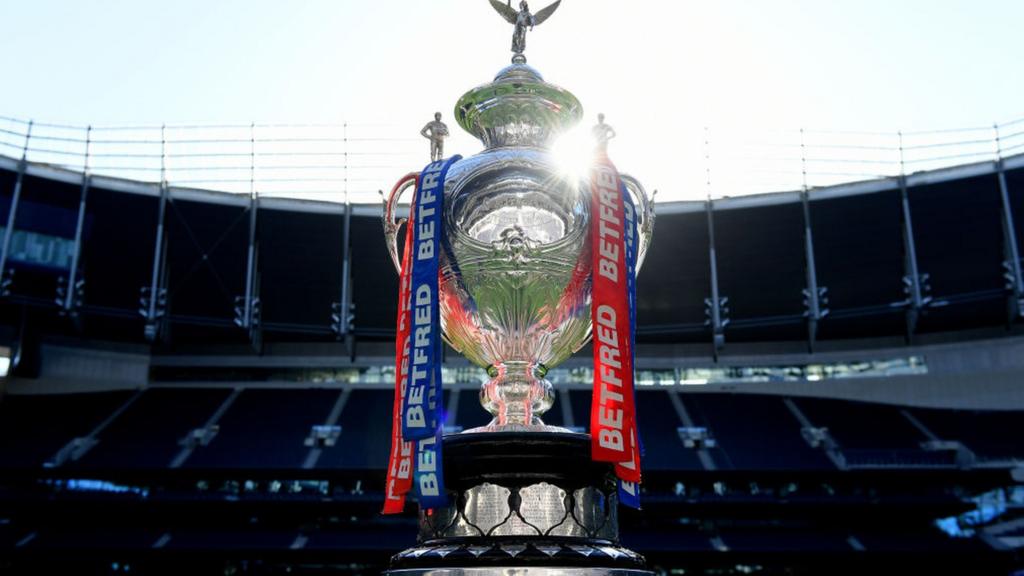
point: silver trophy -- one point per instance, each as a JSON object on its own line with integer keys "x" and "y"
{"x": 515, "y": 292}
{"x": 515, "y": 288}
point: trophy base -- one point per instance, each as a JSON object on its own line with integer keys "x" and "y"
{"x": 522, "y": 503}
{"x": 520, "y": 571}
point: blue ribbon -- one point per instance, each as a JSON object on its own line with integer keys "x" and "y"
{"x": 428, "y": 474}
{"x": 421, "y": 408}
{"x": 629, "y": 492}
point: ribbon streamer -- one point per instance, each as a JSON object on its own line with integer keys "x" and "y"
{"x": 399, "y": 477}
{"x": 613, "y": 412}
{"x": 629, "y": 492}
{"x": 417, "y": 415}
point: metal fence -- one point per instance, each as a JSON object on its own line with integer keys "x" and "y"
{"x": 351, "y": 162}
{"x": 335, "y": 162}
{"x": 740, "y": 163}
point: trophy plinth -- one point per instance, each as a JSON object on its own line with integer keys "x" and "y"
{"x": 533, "y": 502}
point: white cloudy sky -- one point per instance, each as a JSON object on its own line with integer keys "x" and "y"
{"x": 661, "y": 70}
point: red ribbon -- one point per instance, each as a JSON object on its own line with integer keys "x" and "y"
{"x": 612, "y": 409}
{"x": 399, "y": 478}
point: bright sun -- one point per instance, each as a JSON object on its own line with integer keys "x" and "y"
{"x": 574, "y": 153}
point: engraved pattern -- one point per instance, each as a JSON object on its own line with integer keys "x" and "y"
{"x": 542, "y": 506}
{"x": 539, "y": 509}
{"x": 610, "y": 529}
{"x": 516, "y": 526}
{"x": 590, "y": 509}
{"x": 486, "y": 507}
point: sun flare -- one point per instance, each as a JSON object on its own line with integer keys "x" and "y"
{"x": 574, "y": 153}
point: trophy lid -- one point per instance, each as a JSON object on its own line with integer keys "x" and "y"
{"x": 518, "y": 109}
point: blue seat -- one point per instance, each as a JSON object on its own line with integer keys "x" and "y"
{"x": 265, "y": 429}
{"x": 147, "y": 435}
{"x": 754, "y": 432}
{"x": 862, "y": 425}
{"x": 770, "y": 539}
{"x": 990, "y": 434}
{"x": 33, "y": 428}
{"x": 377, "y": 538}
{"x": 669, "y": 539}
{"x": 256, "y": 539}
{"x": 365, "y": 432}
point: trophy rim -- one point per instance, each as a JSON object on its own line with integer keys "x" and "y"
{"x": 518, "y": 81}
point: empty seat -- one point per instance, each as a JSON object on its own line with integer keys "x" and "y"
{"x": 771, "y": 539}
{"x": 34, "y": 428}
{"x": 862, "y": 425}
{"x": 147, "y": 435}
{"x": 668, "y": 539}
{"x": 659, "y": 424}
{"x": 265, "y": 429}
{"x": 754, "y": 432}
{"x": 93, "y": 539}
{"x": 364, "y": 538}
{"x": 365, "y": 432}
{"x": 989, "y": 434}
{"x": 261, "y": 540}
{"x": 931, "y": 542}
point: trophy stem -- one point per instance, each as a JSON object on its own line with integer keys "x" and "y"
{"x": 517, "y": 395}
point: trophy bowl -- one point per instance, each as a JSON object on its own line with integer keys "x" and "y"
{"x": 516, "y": 248}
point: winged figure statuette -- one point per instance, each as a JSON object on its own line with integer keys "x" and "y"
{"x": 522, "y": 19}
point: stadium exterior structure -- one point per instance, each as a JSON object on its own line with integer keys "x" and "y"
{"x": 778, "y": 290}
{"x": 824, "y": 374}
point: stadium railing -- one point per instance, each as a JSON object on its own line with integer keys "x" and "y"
{"x": 351, "y": 161}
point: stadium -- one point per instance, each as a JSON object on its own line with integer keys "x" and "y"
{"x": 838, "y": 392}
{"x": 198, "y": 355}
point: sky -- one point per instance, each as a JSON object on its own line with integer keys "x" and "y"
{"x": 661, "y": 70}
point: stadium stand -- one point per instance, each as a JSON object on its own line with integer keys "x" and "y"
{"x": 784, "y": 541}
{"x": 659, "y": 431}
{"x": 758, "y": 492}
{"x": 362, "y": 425}
{"x": 679, "y": 540}
{"x": 990, "y": 435}
{"x": 755, "y": 433}
{"x": 35, "y": 429}
{"x": 150, "y": 433}
{"x": 866, "y": 427}
{"x": 750, "y": 432}
{"x": 247, "y": 439}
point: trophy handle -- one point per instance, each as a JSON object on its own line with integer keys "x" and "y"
{"x": 645, "y": 215}
{"x": 391, "y": 225}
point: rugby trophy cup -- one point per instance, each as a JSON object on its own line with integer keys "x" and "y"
{"x": 516, "y": 262}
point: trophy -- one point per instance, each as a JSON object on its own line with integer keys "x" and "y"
{"x": 515, "y": 279}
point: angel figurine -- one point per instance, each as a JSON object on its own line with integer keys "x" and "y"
{"x": 522, "y": 20}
